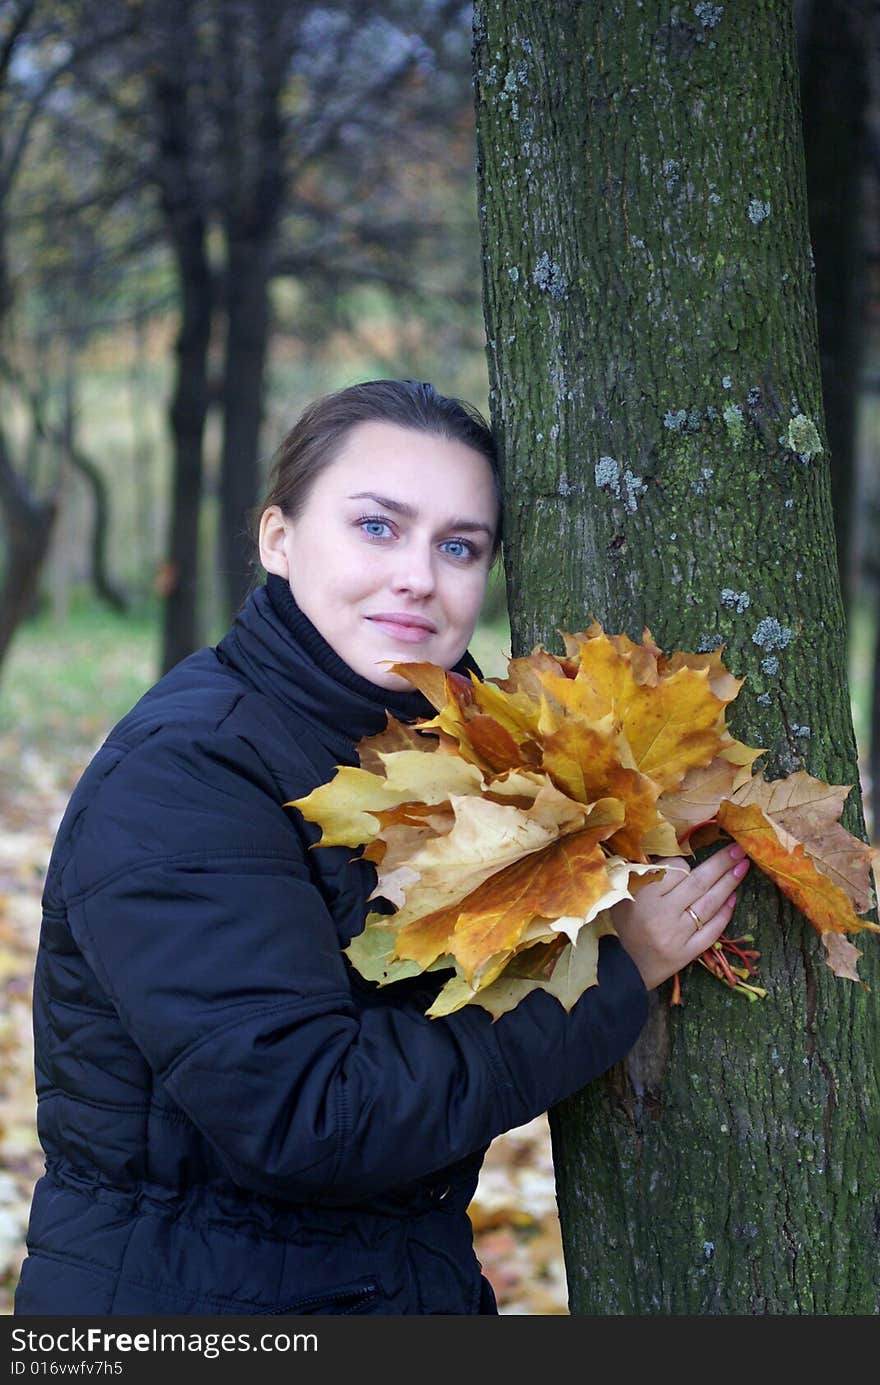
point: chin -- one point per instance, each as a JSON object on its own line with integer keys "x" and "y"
{"x": 392, "y": 681}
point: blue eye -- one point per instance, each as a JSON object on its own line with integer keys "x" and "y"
{"x": 374, "y": 527}
{"x": 462, "y": 547}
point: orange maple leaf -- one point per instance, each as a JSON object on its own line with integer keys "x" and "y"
{"x": 828, "y": 907}
{"x": 565, "y": 879}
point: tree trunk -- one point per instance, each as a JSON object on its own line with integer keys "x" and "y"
{"x": 181, "y": 205}
{"x": 104, "y": 586}
{"x": 26, "y": 520}
{"x": 834, "y": 97}
{"x": 189, "y": 408}
{"x": 142, "y": 460}
{"x": 655, "y": 387}
{"x": 254, "y": 192}
{"x": 28, "y": 523}
{"x": 246, "y": 343}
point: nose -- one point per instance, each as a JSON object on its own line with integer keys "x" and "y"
{"x": 414, "y": 571}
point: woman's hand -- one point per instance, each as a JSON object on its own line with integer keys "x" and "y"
{"x": 657, "y": 928}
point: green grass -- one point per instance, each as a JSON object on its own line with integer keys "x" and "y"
{"x": 68, "y": 682}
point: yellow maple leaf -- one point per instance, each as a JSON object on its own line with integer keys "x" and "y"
{"x": 574, "y": 971}
{"x": 347, "y": 807}
{"x": 504, "y": 828}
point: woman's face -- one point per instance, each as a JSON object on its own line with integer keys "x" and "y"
{"x": 390, "y": 554}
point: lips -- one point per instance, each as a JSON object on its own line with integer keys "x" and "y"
{"x": 409, "y": 628}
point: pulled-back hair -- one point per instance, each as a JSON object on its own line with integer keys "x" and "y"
{"x": 320, "y": 432}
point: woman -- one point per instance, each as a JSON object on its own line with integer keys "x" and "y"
{"x": 233, "y": 1120}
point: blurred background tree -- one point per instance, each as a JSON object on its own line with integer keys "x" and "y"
{"x": 286, "y": 191}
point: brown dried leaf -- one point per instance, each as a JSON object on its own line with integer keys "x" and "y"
{"x": 842, "y": 956}
{"x": 398, "y": 735}
{"x": 806, "y": 810}
{"x": 828, "y": 907}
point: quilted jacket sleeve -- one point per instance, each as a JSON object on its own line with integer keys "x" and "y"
{"x": 189, "y": 894}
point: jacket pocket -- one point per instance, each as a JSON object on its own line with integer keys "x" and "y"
{"x": 353, "y": 1298}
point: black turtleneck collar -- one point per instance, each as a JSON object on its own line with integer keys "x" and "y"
{"x": 275, "y": 644}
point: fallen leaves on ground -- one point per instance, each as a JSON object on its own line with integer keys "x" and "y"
{"x": 517, "y": 1236}
{"x": 34, "y": 788}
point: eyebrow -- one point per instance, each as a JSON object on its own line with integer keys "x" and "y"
{"x": 400, "y": 507}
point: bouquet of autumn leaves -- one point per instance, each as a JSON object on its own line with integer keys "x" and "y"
{"x": 504, "y": 828}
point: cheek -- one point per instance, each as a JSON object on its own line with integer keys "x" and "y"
{"x": 467, "y": 598}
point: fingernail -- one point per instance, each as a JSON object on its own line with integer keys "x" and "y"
{"x": 736, "y": 852}
{"x": 731, "y": 901}
{"x": 741, "y": 869}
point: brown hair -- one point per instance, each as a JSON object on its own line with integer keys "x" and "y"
{"x": 319, "y": 434}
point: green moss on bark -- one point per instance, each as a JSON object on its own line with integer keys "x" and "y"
{"x": 650, "y": 194}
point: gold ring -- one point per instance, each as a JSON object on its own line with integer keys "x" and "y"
{"x": 698, "y": 922}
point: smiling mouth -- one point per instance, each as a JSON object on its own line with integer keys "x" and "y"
{"x": 409, "y": 629}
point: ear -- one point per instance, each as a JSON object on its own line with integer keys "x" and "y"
{"x": 273, "y": 542}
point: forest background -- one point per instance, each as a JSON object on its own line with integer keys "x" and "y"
{"x": 210, "y": 212}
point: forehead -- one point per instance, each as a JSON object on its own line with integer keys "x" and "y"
{"x": 422, "y": 469}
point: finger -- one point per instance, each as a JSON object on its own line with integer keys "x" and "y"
{"x": 675, "y": 871}
{"x": 708, "y": 872}
{"x": 707, "y": 904}
{"x": 713, "y": 928}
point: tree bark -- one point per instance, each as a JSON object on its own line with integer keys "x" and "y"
{"x": 248, "y": 262}
{"x": 655, "y": 388}
{"x": 187, "y": 227}
{"x": 28, "y": 525}
{"x": 187, "y": 414}
{"x": 255, "y": 187}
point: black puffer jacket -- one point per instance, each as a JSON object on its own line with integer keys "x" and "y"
{"x": 234, "y": 1121}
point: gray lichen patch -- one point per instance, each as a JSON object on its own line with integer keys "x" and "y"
{"x": 709, "y": 641}
{"x": 733, "y": 420}
{"x": 620, "y": 481}
{"x": 758, "y": 211}
{"x": 549, "y": 277}
{"x": 803, "y": 437}
{"x": 675, "y": 419}
{"x": 708, "y": 15}
{"x": 671, "y": 174}
{"x": 515, "y": 78}
{"x": 633, "y": 489}
{"x": 770, "y": 634}
{"x": 770, "y": 665}
{"x": 735, "y": 601}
